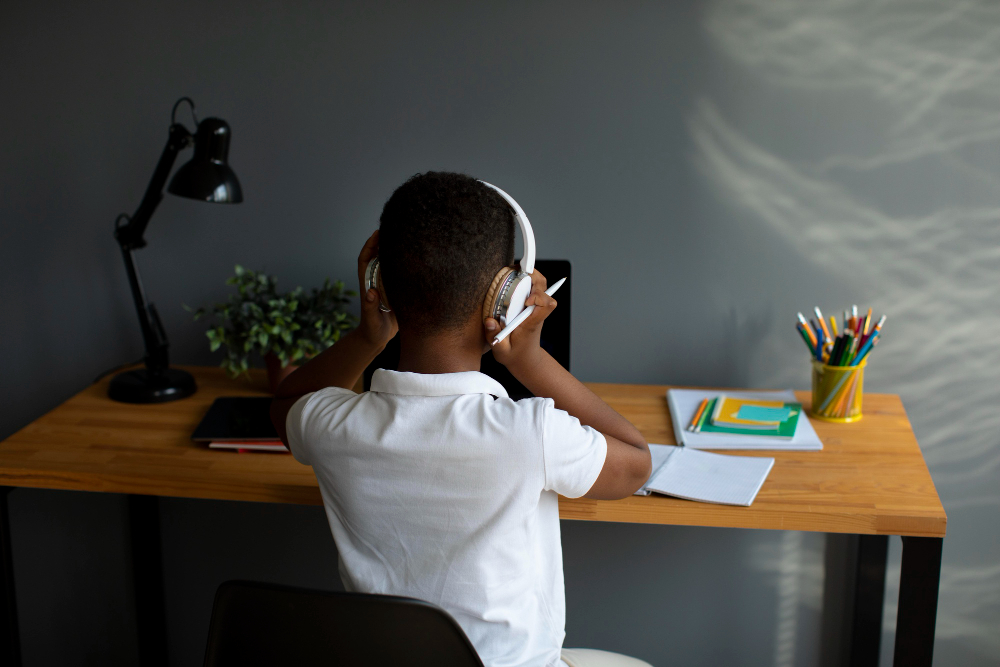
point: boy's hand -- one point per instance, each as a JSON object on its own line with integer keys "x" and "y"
{"x": 376, "y": 326}
{"x": 523, "y": 345}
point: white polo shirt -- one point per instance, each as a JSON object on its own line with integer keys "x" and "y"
{"x": 439, "y": 487}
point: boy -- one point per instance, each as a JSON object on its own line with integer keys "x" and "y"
{"x": 436, "y": 485}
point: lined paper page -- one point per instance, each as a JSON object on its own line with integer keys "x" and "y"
{"x": 659, "y": 454}
{"x": 710, "y": 478}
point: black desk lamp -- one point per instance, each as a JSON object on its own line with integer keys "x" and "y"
{"x": 206, "y": 177}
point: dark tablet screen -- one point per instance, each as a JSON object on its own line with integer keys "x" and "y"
{"x": 237, "y": 418}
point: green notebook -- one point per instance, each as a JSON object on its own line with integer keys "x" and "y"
{"x": 785, "y": 429}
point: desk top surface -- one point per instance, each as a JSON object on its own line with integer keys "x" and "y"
{"x": 870, "y": 477}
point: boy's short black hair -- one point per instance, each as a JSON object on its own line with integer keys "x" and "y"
{"x": 443, "y": 236}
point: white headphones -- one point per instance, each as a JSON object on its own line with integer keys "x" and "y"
{"x": 510, "y": 287}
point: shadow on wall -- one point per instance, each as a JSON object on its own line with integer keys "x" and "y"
{"x": 909, "y": 216}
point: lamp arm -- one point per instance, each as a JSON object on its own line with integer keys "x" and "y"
{"x": 130, "y": 234}
{"x": 153, "y": 335}
{"x": 130, "y": 238}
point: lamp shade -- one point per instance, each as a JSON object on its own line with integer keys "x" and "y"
{"x": 207, "y": 176}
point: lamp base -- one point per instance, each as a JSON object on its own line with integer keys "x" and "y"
{"x": 141, "y": 386}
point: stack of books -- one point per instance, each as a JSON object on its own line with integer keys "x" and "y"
{"x": 742, "y": 416}
{"x": 756, "y": 420}
{"x": 242, "y": 423}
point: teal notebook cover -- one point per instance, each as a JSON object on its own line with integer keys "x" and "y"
{"x": 758, "y": 413}
{"x": 785, "y": 430}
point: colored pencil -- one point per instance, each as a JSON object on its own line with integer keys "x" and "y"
{"x": 874, "y": 330}
{"x": 841, "y": 396}
{"x": 847, "y": 399}
{"x": 802, "y": 332}
{"x": 835, "y": 352}
{"x": 848, "y": 343}
{"x": 864, "y": 351}
{"x": 836, "y": 390}
{"x": 697, "y": 416}
{"x": 809, "y": 332}
{"x": 844, "y": 347}
{"x": 822, "y": 323}
{"x": 875, "y": 341}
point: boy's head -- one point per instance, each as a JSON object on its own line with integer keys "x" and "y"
{"x": 442, "y": 238}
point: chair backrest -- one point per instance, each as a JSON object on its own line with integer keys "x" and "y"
{"x": 267, "y": 624}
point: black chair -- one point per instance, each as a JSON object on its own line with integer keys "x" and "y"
{"x": 267, "y": 624}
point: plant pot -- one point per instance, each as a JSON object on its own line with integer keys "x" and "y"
{"x": 275, "y": 372}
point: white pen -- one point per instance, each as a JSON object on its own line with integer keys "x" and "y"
{"x": 523, "y": 315}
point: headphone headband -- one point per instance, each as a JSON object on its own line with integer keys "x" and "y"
{"x": 528, "y": 261}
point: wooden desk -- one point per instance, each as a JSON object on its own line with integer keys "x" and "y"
{"x": 869, "y": 480}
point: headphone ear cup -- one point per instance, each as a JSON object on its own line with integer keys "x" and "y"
{"x": 506, "y": 295}
{"x": 490, "y": 305}
{"x": 514, "y": 295}
{"x": 373, "y": 280}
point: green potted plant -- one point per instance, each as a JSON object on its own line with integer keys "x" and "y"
{"x": 286, "y": 329}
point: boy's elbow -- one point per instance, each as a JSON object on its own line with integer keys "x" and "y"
{"x": 642, "y": 468}
{"x": 626, "y": 468}
{"x": 647, "y": 465}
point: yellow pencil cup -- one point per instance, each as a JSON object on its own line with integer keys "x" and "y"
{"x": 837, "y": 392}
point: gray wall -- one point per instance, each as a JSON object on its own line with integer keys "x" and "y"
{"x": 709, "y": 167}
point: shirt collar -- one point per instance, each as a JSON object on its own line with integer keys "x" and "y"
{"x": 436, "y": 384}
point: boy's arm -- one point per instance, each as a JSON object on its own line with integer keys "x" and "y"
{"x": 343, "y": 363}
{"x": 628, "y": 464}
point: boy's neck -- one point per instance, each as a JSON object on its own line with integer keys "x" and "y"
{"x": 442, "y": 352}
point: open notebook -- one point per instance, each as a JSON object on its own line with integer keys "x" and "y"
{"x": 709, "y": 478}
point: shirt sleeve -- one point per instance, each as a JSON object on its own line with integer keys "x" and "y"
{"x": 295, "y": 431}
{"x": 573, "y": 453}
{"x": 308, "y": 419}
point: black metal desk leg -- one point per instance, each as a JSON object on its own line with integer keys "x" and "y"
{"x": 10, "y": 638}
{"x": 147, "y": 575}
{"x": 919, "y": 579}
{"x": 853, "y": 597}
{"x": 869, "y": 598}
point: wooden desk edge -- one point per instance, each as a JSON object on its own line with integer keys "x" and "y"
{"x": 629, "y": 510}
{"x": 634, "y": 509}
{"x": 650, "y": 510}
